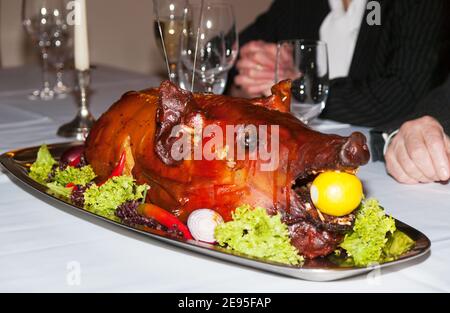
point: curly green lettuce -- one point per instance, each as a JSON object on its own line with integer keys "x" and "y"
{"x": 374, "y": 238}
{"x": 43, "y": 165}
{"x": 59, "y": 190}
{"x": 104, "y": 200}
{"x": 255, "y": 233}
{"x": 77, "y": 176}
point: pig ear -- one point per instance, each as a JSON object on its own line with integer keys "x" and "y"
{"x": 280, "y": 100}
{"x": 174, "y": 104}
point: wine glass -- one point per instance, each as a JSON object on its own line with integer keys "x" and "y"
{"x": 209, "y": 46}
{"x": 168, "y": 26}
{"x": 39, "y": 18}
{"x": 305, "y": 62}
{"x": 60, "y": 52}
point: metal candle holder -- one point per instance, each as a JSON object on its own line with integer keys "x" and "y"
{"x": 79, "y": 128}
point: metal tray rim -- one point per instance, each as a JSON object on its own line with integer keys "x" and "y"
{"x": 16, "y": 169}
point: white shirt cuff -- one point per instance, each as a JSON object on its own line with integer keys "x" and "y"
{"x": 387, "y": 140}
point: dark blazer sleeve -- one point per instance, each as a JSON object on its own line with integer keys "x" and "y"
{"x": 287, "y": 19}
{"x": 436, "y": 104}
{"x": 265, "y": 26}
{"x": 412, "y": 41}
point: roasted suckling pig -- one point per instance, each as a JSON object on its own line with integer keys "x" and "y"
{"x": 145, "y": 126}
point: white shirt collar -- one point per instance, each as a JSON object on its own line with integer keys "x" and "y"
{"x": 340, "y": 31}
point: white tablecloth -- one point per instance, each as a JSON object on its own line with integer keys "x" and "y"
{"x": 45, "y": 249}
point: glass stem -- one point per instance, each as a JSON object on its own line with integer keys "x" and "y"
{"x": 45, "y": 75}
{"x": 173, "y": 73}
{"x": 59, "y": 75}
{"x": 209, "y": 84}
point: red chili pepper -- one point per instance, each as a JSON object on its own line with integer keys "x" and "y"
{"x": 164, "y": 218}
{"x": 73, "y": 186}
{"x": 118, "y": 170}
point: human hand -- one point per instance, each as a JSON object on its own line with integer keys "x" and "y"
{"x": 419, "y": 153}
{"x": 256, "y": 68}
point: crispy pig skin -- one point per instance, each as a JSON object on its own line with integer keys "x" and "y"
{"x": 141, "y": 123}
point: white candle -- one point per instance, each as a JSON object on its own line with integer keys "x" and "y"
{"x": 81, "y": 37}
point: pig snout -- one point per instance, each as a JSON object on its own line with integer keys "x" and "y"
{"x": 355, "y": 151}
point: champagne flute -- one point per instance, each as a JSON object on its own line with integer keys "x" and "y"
{"x": 209, "y": 46}
{"x": 305, "y": 62}
{"x": 39, "y": 18}
{"x": 168, "y": 26}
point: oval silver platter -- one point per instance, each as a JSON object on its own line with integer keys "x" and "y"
{"x": 17, "y": 164}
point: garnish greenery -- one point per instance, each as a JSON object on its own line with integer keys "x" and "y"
{"x": 77, "y": 176}
{"x": 41, "y": 169}
{"x": 374, "y": 238}
{"x": 255, "y": 233}
{"x": 59, "y": 190}
{"x": 104, "y": 200}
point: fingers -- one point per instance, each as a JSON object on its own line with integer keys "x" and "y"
{"x": 417, "y": 152}
{"x": 250, "y": 47}
{"x": 286, "y": 57}
{"x": 288, "y": 74}
{"x": 447, "y": 145}
{"x": 255, "y": 74}
{"x": 396, "y": 171}
{"x": 252, "y": 87}
{"x": 249, "y": 68}
{"x": 247, "y": 63}
{"x": 256, "y": 68}
{"x": 257, "y": 46}
{"x": 265, "y": 59}
{"x": 409, "y": 166}
{"x": 435, "y": 141}
{"x": 244, "y": 80}
{"x": 261, "y": 53}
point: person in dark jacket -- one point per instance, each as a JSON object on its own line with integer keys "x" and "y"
{"x": 384, "y": 71}
{"x": 418, "y": 150}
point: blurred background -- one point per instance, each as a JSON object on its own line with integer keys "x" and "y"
{"x": 121, "y": 33}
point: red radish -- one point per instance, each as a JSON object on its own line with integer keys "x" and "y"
{"x": 72, "y": 156}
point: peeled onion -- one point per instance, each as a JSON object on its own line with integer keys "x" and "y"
{"x": 202, "y": 223}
